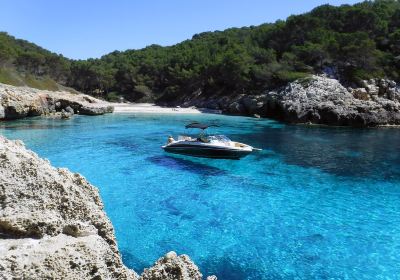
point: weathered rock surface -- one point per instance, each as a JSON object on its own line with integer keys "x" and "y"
{"x": 318, "y": 100}
{"x": 172, "y": 266}
{"x": 60, "y": 257}
{"x": 53, "y": 226}
{"x": 52, "y": 223}
{"x": 322, "y": 100}
{"x": 20, "y": 102}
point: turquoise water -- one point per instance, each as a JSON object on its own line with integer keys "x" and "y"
{"x": 316, "y": 203}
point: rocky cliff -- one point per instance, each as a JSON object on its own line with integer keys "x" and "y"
{"x": 174, "y": 267}
{"x": 20, "y": 102}
{"x": 317, "y": 100}
{"x": 53, "y": 226}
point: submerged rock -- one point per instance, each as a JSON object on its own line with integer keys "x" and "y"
{"x": 20, "y": 102}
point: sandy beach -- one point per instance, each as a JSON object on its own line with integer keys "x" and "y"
{"x": 154, "y": 109}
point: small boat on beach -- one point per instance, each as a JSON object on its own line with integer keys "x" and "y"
{"x": 208, "y": 146}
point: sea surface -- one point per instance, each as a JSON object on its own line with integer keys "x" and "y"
{"x": 316, "y": 203}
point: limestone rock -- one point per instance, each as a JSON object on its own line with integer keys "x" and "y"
{"x": 15, "y": 109}
{"x": 52, "y": 222}
{"x": 69, "y": 110}
{"x": 360, "y": 93}
{"x": 95, "y": 110}
{"x": 20, "y": 102}
{"x": 325, "y": 101}
{"x": 65, "y": 115}
{"x": 60, "y": 257}
{"x": 317, "y": 99}
{"x": 175, "y": 267}
{"x": 322, "y": 100}
{"x": 373, "y": 89}
{"x": 2, "y": 113}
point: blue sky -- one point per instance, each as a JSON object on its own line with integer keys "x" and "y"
{"x": 92, "y": 28}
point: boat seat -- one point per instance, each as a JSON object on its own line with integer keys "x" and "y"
{"x": 184, "y": 138}
{"x": 203, "y": 139}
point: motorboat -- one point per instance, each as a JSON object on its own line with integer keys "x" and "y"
{"x": 208, "y": 146}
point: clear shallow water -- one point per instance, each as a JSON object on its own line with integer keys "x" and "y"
{"x": 316, "y": 203}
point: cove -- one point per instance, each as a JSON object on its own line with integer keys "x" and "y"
{"x": 316, "y": 203}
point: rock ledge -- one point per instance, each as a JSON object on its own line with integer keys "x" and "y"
{"x": 21, "y": 102}
{"x": 172, "y": 266}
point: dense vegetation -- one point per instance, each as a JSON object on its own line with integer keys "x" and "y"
{"x": 352, "y": 42}
{"x": 22, "y": 62}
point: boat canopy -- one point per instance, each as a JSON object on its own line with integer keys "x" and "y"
{"x": 200, "y": 125}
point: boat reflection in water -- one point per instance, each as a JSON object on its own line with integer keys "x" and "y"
{"x": 208, "y": 146}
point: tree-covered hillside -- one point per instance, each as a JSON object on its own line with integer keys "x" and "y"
{"x": 22, "y": 62}
{"x": 352, "y": 42}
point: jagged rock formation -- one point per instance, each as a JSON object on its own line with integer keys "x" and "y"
{"x": 321, "y": 100}
{"x": 53, "y": 226}
{"x": 318, "y": 100}
{"x": 52, "y": 223}
{"x": 172, "y": 266}
{"x": 20, "y": 102}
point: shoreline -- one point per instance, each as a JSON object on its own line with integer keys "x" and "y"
{"x": 151, "y": 108}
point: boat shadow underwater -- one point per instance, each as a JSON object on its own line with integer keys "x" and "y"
{"x": 176, "y": 162}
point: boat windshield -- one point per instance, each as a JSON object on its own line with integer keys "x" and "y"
{"x": 219, "y": 138}
{"x": 185, "y": 138}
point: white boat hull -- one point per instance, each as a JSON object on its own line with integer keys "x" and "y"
{"x": 209, "y": 150}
